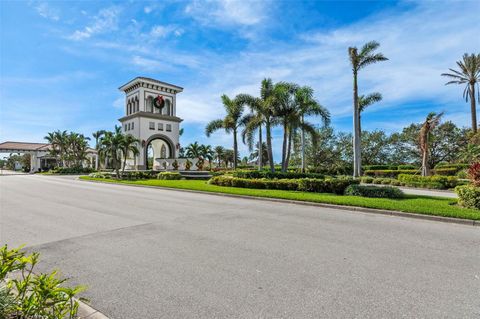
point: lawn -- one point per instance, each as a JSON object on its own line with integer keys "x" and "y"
{"x": 411, "y": 203}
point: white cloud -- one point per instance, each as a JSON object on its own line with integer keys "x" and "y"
{"x": 106, "y": 20}
{"x": 227, "y": 12}
{"x": 47, "y": 11}
{"x": 162, "y": 31}
{"x": 119, "y": 103}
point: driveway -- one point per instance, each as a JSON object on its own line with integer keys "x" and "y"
{"x": 155, "y": 253}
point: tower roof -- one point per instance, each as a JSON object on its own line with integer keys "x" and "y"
{"x": 140, "y": 81}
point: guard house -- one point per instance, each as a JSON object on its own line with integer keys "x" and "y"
{"x": 150, "y": 116}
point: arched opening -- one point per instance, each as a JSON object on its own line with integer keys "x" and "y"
{"x": 157, "y": 148}
{"x": 150, "y": 104}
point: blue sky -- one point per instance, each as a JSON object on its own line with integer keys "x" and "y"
{"x": 62, "y": 62}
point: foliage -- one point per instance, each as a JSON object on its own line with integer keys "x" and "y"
{"x": 366, "y": 180}
{"x": 70, "y": 149}
{"x": 32, "y": 295}
{"x": 175, "y": 165}
{"x": 474, "y": 174}
{"x": 278, "y": 175}
{"x": 468, "y": 196}
{"x": 169, "y": 176}
{"x": 71, "y": 170}
{"x": 188, "y": 165}
{"x": 393, "y": 173}
{"x": 336, "y": 186}
{"x": 435, "y": 182}
{"x": 117, "y": 147}
{"x": 23, "y": 160}
{"x": 411, "y": 203}
{"x": 374, "y": 191}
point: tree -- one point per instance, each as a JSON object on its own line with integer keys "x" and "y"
{"x": 432, "y": 121}
{"x": 207, "y": 153}
{"x": 128, "y": 144}
{"x": 359, "y": 60}
{"x": 230, "y": 123}
{"x": 111, "y": 147}
{"x": 363, "y": 103}
{"x": 194, "y": 150}
{"x": 469, "y": 74}
{"x": 97, "y": 135}
{"x": 261, "y": 115}
{"x": 264, "y": 154}
{"x": 219, "y": 153}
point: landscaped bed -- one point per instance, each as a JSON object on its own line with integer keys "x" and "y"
{"x": 446, "y": 207}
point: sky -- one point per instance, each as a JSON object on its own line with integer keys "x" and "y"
{"x": 61, "y": 63}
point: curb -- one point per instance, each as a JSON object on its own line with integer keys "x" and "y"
{"x": 304, "y": 203}
{"x": 87, "y": 312}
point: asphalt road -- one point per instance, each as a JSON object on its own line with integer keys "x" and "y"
{"x": 152, "y": 253}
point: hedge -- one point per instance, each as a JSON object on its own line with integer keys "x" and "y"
{"x": 458, "y": 167}
{"x": 278, "y": 175}
{"x": 374, "y": 191}
{"x": 379, "y": 167}
{"x": 169, "y": 176}
{"x": 468, "y": 196}
{"x": 71, "y": 170}
{"x": 392, "y": 173}
{"x": 336, "y": 186}
{"x": 435, "y": 182}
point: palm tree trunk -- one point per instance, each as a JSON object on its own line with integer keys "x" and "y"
{"x": 284, "y": 145}
{"x": 289, "y": 148}
{"x": 357, "y": 162}
{"x": 303, "y": 148}
{"x": 425, "y": 167}
{"x": 260, "y": 143}
{"x": 235, "y": 149}
{"x": 473, "y": 107}
{"x": 269, "y": 146}
{"x": 124, "y": 162}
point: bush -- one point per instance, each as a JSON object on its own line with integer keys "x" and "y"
{"x": 169, "y": 176}
{"x": 278, "y": 175}
{"x": 31, "y": 294}
{"x": 389, "y": 172}
{"x": 468, "y": 196}
{"x": 367, "y": 180}
{"x": 445, "y": 171}
{"x": 379, "y": 167}
{"x": 474, "y": 173}
{"x": 435, "y": 182}
{"x": 100, "y": 175}
{"x": 374, "y": 191}
{"x": 407, "y": 166}
{"x": 71, "y": 170}
{"x": 336, "y": 185}
{"x": 458, "y": 167}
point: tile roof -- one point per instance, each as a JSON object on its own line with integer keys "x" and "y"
{"x": 17, "y": 146}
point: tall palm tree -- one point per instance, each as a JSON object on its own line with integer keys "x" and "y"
{"x": 207, "y": 153}
{"x": 111, "y": 144}
{"x": 97, "y": 135}
{"x": 219, "y": 153}
{"x": 307, "y": 106}
{"x": 194, "y": 150}
{"x": 359, "y": 60}
{"x": 261, "y": 115}
{"x": 128, "y": 144}
{"x": 469, "y": 74}
{"x": 230, "y": 123}
{"x": 432, "y": 121}
{"x": 365, "y": 101}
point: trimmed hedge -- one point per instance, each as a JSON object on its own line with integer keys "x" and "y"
{"x": 71, "y": 170}
{"x": 458, "y": 167}
{"x": 169, "y": 176}
{"x": 392, "y": 173}
{"x": 278, "y": 175}
{"x": 435, "y": 182}
{"x": 336, "y": 186}
{"x": 374, "y": 191}
{"x": 379, "y": 167}
{"x": 468, "y": 196}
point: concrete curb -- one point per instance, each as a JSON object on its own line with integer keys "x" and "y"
{"x": 304, "y": 203}
{"x": 87, "y": 312}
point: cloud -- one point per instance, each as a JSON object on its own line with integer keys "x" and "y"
{"x": 48, "y": 12}
{"x": 227, "y": 12}
{"x": 119, "y": 103}
{"x": 106, "y": 20}
{"x": 160, "y": 31}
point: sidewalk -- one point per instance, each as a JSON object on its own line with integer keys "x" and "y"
{"x": 423, "y": 191}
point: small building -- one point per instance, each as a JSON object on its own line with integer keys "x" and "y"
{"x": 40, "y": 158}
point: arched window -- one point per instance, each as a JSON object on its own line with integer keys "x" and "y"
{"x": 150, "y": 104}
{"x": 167, "y": 108}
{"x": 137, "y": 104}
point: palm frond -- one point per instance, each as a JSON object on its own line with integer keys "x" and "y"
{"x": 213, "y": 126}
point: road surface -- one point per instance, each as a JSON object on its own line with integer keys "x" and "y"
{"x": 155, "y": 253}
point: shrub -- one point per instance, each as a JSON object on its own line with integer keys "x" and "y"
{"x": 32, "y": 295}
{"x": 169, "y": 176}
{"x": 71, "y": 170}
{"x": 278, "y": 175}
{"x": 468, "y": 196}
{"x": 334, "y": 185}
{"x": 175, "y": 165}
{"x": 389, "y": 172}
{"x": 462, "y": 174}
{"x": 100, "y": 175}
{"x": 474, "y": 173}
{"x": 367, "y": 180}
{"x": 435, "y": 182}
{"x": 458, "y": 167}
{"x": 379, "y": 167}
{"x": 445, "y": 171}
{"x": 188, "y": 165}
{"x": 199, "y": 164}
{"x": 407, "y": 166}
{"x": 374, "y": 191}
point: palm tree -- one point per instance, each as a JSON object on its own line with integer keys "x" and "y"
{"x": 432, "y": 121}
{"x": 97, "y": 135}
{"x": 111, "y": 144}
{"x": 219, "y": 153}
{"x": 469, "y": 74}
{"x": 194, "y": 150}
{"x": 307, "y": 106}
{"x": 255, "y": 154}
{"x": 261, "y": 115}
{"x": 128, "y": 144}
{"x": 230, "y": 123}
{"x": 363, "y": 103}
{"x": 207, "y": 153}
{"x": 359, "y": 60}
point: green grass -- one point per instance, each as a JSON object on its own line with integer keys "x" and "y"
{"x": 426, "y": 205}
